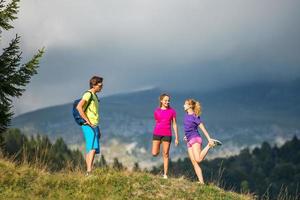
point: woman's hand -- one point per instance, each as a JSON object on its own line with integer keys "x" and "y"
{"x": 185, "y": 138}
{"x": 176, "y": 142}
{"x": 211, "y": 143}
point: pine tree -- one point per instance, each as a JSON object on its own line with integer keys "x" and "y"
{"x": 13, "y": 75}
{"x": 117, "y": 165}
{"x": 103, "y": 162}
{"x": 136, "y": 167}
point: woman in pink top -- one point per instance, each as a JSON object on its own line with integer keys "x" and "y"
{"x": 164, "y": 116}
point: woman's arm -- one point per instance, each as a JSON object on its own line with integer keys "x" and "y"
{"x": 175, "y": 128}
{"x": 203, "y": 129}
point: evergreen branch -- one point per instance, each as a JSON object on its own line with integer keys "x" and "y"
{"x": 13, "y": 78}
{"x": 30, "y": 68}
{"x": 8, "y": 14}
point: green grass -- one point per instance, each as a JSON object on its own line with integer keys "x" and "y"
{"x": 25, "y": 182}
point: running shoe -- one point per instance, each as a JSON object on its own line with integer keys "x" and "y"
{"x": 216, "y": 142}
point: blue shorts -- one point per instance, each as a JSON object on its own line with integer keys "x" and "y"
{"x": 91, "y": 136}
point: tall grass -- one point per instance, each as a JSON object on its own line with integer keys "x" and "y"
{"x": 27, "y": 182}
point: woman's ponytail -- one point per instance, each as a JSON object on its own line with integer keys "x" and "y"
{"x": 197, "y": 108}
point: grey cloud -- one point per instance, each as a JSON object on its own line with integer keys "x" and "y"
{"x": 138, "y": 43}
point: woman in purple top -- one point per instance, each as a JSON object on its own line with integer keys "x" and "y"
{"x": 164, "y": 116}
{"x": 192, "y": 121}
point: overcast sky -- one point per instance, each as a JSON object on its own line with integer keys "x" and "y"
{"x": 170, "y": 44}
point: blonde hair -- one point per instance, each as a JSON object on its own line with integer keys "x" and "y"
{"x": 161, "y": 97}
{"x": 196, "y": 106}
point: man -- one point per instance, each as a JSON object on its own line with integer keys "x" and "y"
{"x": 88, "y": 108}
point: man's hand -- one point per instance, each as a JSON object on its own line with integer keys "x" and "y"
{"x": 89, "y": 123}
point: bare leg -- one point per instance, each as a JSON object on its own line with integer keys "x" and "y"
{"x": 89, "y": 159}
{"x": 196, "y": 166}
{"x": 93, "y": 157}
{"x": 197, "y": 153}
{"x": 166, "y": 148}
{"x": 155, "y": 147}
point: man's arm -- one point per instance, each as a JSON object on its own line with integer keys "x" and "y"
{"x": 79, "y": 107}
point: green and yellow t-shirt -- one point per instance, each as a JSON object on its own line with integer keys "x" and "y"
{"x": 92, "y": 112}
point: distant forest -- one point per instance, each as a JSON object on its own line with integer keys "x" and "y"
{"x": 269, "y": 172}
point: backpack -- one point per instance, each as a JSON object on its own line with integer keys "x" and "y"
{"x": 78, "y": 119}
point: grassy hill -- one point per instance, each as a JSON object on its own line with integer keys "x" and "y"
{"x": 25, "y": 182}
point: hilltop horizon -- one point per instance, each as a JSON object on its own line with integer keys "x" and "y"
{"x": 295, "y": 82}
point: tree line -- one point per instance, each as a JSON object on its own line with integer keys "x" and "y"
{"x": 39, "y": 151}
{"x": 266, "y": 171}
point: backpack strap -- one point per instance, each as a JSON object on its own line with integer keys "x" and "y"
{"x": 89, "y": 101}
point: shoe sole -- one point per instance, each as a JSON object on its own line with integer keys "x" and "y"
{"x": 216, "y": 142}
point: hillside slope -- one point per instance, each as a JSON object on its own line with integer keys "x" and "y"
{"x": 24, "y": 182}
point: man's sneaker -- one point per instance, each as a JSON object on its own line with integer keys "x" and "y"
{"x": 216, "y": 142}
{"x": 165, "y": 176}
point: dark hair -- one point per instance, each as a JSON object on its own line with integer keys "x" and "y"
{"x": 161, "y": 98}
{"x": 95, "y": 80}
